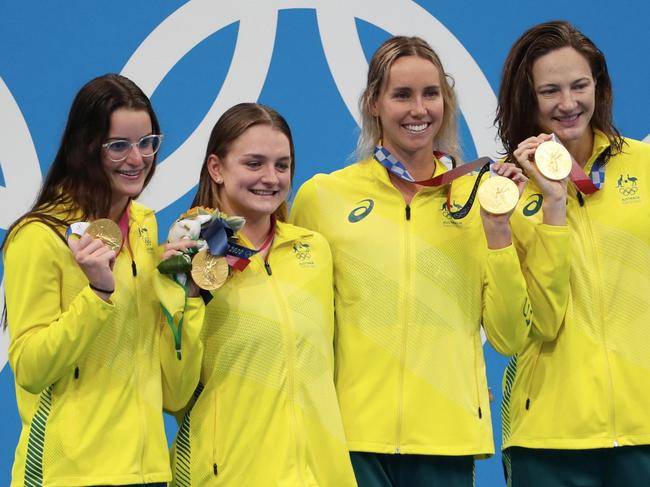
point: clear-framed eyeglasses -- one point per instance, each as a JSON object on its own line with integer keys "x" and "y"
{"x": 119, "y": 149}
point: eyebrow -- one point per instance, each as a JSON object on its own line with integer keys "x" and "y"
{"x": 579, "y": 80}
{"x": 117, "y": 137}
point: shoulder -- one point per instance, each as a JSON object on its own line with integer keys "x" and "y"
{"x": 33, "y": 237}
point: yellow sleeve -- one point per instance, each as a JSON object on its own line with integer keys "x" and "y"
{"x": 305, "y": 211}
{"x": 45, "y": 340}
{"x": 507, "y": 314}
{"x": 546, "y": 264}
{"x": 181, "y": 366}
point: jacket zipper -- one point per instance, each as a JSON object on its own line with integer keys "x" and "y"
{"x": 134, "y": 271}
{"x": 406, "y": 279}
{"x": 588, "y": 236}
{"x": 291, "y": 363}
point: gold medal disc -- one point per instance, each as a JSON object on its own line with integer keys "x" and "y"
{"x": 553, "y": 160}
{"x": 498, "y": 195}
{"x": 209, "y": 271}
{"x": 107, "y": 231}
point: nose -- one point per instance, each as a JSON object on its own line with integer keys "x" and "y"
{"x": 135, "y": 156}
{"x": 567, "y": 101}
{"x": 269, "y": 174}
{"x": 418, "y": 108}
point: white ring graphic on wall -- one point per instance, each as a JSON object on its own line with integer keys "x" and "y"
{"x": 18, "y": 158}
{"x": 195, "y": 21}
{"x": 198, "y": 19}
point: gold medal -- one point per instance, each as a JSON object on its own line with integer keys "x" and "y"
{"x": 498, "y": 195}
{"x": 553, "y": 160}
{"x": 209, "y": 271}
{"x": 107, "y": 231}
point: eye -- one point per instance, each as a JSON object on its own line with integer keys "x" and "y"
{"x": 118, "y": 146}
{"x": 402, "y": 94}
{"x": 581, "y": 86}
{"x": 282, "y": 166}
{"x": 253, "y": 164}
{"x": 432, "y": 92}
{"x": 548, "y": 91}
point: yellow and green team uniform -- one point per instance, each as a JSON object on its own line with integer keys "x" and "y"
{"x": 92, "y": 376}
{"x": 265, "y": 412}
{"x": 412, "y": 288}
{"x": 582, "y": 382}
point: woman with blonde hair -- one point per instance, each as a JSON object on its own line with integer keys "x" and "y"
{"x": 416, "y": 274}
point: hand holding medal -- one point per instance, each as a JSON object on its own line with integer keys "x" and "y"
{"x": 95, "y": 246}
{"x": 549, "y": 164}
{"x": 499, "y": 194}
{"x": 212, "y": 233}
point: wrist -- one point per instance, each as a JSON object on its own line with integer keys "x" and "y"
{"x": 104, "y": 294}
{"x": 554, "y": 212}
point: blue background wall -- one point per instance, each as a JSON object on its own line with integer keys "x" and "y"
{"x": 305, "y": 58}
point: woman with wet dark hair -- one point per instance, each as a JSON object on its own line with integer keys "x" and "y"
{"x": 576, "y": 398}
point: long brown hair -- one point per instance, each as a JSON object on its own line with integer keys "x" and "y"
{"x": 515, "y": 117}
{"x": 232, "y": 124}
{"x": 446, "y": 139}
{"x": 76, "y": 180}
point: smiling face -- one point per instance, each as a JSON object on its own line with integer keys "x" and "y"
{"x": 410, "y": 108}
{"x": 127, "y": 177}
{"x": 255, "y": 175}
{"x": 565, "y": 91}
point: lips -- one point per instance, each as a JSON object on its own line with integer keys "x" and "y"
{"x": 263, "y": 192}
{"x": 416, "y": 128}
{"x": 568, "y": 119}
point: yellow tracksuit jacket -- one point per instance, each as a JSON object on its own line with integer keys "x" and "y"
{"x": 91, "y": 376}
{"x": 583, "y": 381}
{"x": 412, "y": 287}
{"x": 266, "y": 412}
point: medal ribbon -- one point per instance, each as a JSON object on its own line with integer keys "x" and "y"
{"x": 587, "y": 184}
{"x": 218, "y": 236}
{"x": 386, "y": 159}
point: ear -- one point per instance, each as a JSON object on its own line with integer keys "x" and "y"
{"x": 214, "y": 168}
{"x": 374, "y": 111}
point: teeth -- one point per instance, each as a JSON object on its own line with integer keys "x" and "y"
{"x": 416, "y": 128}
{"x": 129, "y": 173}
{"x": 262, "y": 192}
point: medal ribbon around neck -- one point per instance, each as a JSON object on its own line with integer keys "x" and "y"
{"x": 587, "y": 184}
{"x": 386, "y": 159}
{"x": 219, "y": 239}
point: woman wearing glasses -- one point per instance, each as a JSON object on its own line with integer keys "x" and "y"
{"x": 87, "y": 339}
{"x": 576, "y": 398}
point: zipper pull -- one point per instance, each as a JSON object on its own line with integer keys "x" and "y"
{"x": 76, "y": 372}
{"x": 408, "y": 212}
{"x": 267, "y": 266}
{"x": 134, "y": 268}
{"x": 581, "y": 200}
{"x": 215, "y": 469}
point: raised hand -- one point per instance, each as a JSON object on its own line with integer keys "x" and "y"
{"x": 554, "y": 192}
{"x": 96, "y": 260}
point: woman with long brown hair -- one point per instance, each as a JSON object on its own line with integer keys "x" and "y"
{"x": 576, "y": 397}
{"x": 265, "y": 411}
{"x": 93, "y": 360}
